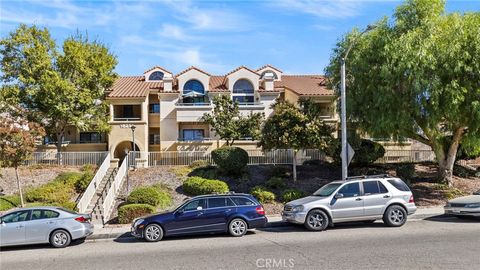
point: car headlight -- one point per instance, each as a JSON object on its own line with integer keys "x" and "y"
{"x": 137, "y": 222}
{"x": 472, "y": 205}
{"x": 297, "y": 208}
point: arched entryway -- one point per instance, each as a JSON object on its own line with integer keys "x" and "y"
{"x": 122, "y": 150}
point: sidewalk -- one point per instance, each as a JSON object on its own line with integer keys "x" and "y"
{"x": 123, "y": 231}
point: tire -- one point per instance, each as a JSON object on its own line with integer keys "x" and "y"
{"x": 237, "y": 227}
{"x": 153, "y": 233}
{"x": 316, "y": 220}
{"x": 60, "y": 239}
{"x": 395, "y": 216}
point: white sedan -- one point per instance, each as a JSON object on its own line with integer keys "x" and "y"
{"x": 468, "y": 206}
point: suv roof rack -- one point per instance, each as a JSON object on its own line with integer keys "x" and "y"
{"x": 369, "y": 176}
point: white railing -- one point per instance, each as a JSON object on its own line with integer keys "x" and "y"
{"x": 65, "y": 158}
{"x": 109, "y": 201}
{"x": 87, "y": 196}
{"x": 397, "y": 156}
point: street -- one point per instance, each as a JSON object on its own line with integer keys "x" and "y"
{"x": 445, "y": 243}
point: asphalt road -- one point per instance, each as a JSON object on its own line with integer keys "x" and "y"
{"x": 434, "y": 244}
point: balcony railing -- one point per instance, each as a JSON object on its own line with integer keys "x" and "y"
{"x": 127, "y": 118}
{"x": 250, "y": 104}
{"x": 193, "y": 104}
{"x": 199, "y": 139}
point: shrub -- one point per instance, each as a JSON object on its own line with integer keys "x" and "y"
{"x": 366, "y": 152}
{"x": 275, "y": 183}
{"x": 59, "y": 190}
{"x": 127, "y": 213}
{"x": 144, "y": 195}
{"x": 82, "y": 183}
{"x": 88, "y": 168}
{"x": 405, "y": 171}
{"x": 280, "y": 171}
{"x": 9, "y": 202}
{"x": 262, "y": 195}
{"x": 462, "y": 171}
{"x": 209, "y": 172}
{"x": 198, "y": 186}
{"x": 230, "y": 160}
{"x": 199, "y": 164}
{"x": 292, "y": 194}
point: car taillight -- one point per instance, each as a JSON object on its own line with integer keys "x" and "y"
{"x": 411, "y": 199}
{"x": 81, "y": 219}
{"x": 260, "y": 210}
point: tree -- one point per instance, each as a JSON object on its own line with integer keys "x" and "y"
{"x": 416, "y": 77}
{"x": 229, "y": 123}
{"x": 59, "y": 88}
{"x": 17, "y": 140}
{"x": 296, "y": 128}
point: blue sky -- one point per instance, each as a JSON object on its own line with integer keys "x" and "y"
{"x": 218, "y": 36}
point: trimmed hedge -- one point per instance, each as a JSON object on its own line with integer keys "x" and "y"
{"x": 9, "y": 202}
{"x": 199, "y": 186}
{"x": 150, "y": 195}
{"x": 127, "y": 213}
{"x": 199, "y": 164}
{"x": 275, "y": 183}
{"x": 292, "y": 194}
{"x": 230, "y": 160}
{"x": 262, "y": 195}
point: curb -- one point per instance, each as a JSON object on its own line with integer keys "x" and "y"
{"x": 273, "y": 224}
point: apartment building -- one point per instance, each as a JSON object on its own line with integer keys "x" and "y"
{"x": 166, "y": 108}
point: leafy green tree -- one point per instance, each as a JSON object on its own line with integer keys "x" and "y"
{"x": 60, "y": 88}
{"x": 229, "y": 123}
{"x": 416, "y": 76}
{"x": 17, "y": 139}
{"x": 292, "y": 127}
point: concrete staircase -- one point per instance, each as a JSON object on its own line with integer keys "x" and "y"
{"x": 95, "y": 208}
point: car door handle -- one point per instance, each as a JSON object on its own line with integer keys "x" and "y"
{"x": 228, "y": 210}
{"x": 20, "y": 226}
{"x": 386, "y": 196}
{"x": 50, "y": 222}
{"x": 199, "y": 214}
{"x": 358, "y": 199}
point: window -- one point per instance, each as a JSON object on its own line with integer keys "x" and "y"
{"x": 44, "y": 214}
{"x": 373, "y": 187}
{"x": 192, "y": 134}
{"x": 154, "y": 108}
{"x": 269, "y": 71}
{"x": 193, "y": 205}
{"x": 90, "y": 137}
{"x": 217, "y": 202}
{"x": 156, "y": 76}
{"x": 350, "y": 190}
{"x": 193, "y": 86}
{"x": 127, "y": 111}
{"x": 399, "y": 184}
{"x": 327, "y": 190}
{"x": 242, "y": 201}
{"x": 154, "y": 138}
{"x": 243, "y": 92}
{"x": 18, "y": 216}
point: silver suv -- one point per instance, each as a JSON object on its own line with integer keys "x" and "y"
{"x": 364, "y": 198}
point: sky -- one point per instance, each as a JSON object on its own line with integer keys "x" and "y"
{"x": 296, "y": 36}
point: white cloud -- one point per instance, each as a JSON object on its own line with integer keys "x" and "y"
{"x": 173, "y": 31}
{"x": 321, "y": 8}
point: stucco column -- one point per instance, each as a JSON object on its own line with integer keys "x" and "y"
{"x": 145, "y": 110}
{"x": 111, "y": 112}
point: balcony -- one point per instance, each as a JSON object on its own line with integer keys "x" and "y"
{"x": 192, "y": 112}
{"x": 127, "y": 113}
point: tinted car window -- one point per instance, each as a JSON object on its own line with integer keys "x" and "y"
{"x": 43, "y": 214}
{"x": 229, "y": 202}
{"x": 242, "y": 201}
{"x": 383, "y": 189}
{"x": 15, "y": 217}
{"x": 373, "y": 187}
{"x": 350, "y": 190}
{"x": 399, "y": 184}
{"x": 216, "y": 202}
{"x": 194, "y": 204}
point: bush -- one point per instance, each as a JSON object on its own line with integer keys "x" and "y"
{"x": 199, "y": 186}
{"x": 127, "y": 213}
{"x": 199, "y": 164}
{"x": 262, "y": 195}
{"x": 9, "y": 202}
{"x": 230, "y": 160}
{"x": 366, "y": 152}
{"x": 462, "y": 171}
{"x": 405, "y": 171}
{"x": 292, "y": 194}
{"x": 146, "y": 195}
{"x": 280, "y": 171}
{"x": 209, "y": 172}
{"x": 59, "y": 190}
{"x": 82, "y": 183}
{"x": 275, "y": 183}
{"x": 88, "y": 168}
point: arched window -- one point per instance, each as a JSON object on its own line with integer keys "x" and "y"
{"x": 156, "y": 76}
{"x": 193, "y": 85}
{"x": 269, "y": 71}
{"x": 243, "y": 92}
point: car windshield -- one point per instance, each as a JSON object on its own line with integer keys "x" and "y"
{"x": 327, "y": 190}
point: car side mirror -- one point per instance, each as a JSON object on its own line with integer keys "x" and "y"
{"x": 199, "y": 208}
{"x": 180, "y": 211}
{"x": 338, "y": 196}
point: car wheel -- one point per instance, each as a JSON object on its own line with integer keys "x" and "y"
{"x": 395, "y": 216}
{"x": 153, "y": 233}
{"x": 237, "y": 227}
{"x": 316, "y": 220}
{"x": 60, "y": 239}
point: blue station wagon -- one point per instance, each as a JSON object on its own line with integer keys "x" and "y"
{"x": 234, "y": 213}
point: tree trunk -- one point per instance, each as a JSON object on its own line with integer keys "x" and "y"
{"x": 59, "y": 148}
{"x": 446, "y": 159}
{"x": 294, "y": 166}
{"x": 19, "y": 188}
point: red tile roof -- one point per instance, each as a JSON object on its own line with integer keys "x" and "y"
{"x": 134, "y": 87}
{"x": 305, "y": 85}
{"x": 192, "y": 67}
{"x": 217, "y": 84}
{"x": 154, "y": 67}
{"x": 269, "y": 66}
{"x": 240, "y": 67}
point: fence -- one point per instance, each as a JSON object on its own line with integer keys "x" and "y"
{"x": 396, "y": 156}
{"x": 92, "y": 187}
{"x": 66, "y": 158}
